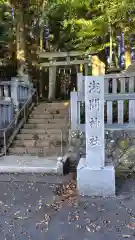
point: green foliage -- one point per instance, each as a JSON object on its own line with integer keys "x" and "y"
{"x": 6, "y": 23}
{"x": 105, "y": 16}
{"x": 62, "y": 16}
{"x": 74, "y": 24}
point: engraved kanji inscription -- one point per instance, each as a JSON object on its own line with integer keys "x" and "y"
{"x": 94, "y": 141}
{"x": 94, "y": 122}
{"x": 94, "y": 87}
{"x": 94, "y": 103}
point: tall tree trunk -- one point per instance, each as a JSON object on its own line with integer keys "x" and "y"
{"x": 20, "y": 42}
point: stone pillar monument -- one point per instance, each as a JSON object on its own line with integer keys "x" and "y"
{"x": 94, "y": 177}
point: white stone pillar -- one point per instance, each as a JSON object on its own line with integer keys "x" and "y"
{"x": 14, "y": 93}
{"x": 94, "y": 115}
{"x": 6, "y": 92}
{"x": 86, "y": 68}
{"x": 80, "y": 83}
{"x": 26, "y": 79}
{"x": 52, "y": 82}
{"x": 74, "y": 112}
{"x": 94, "y": 178}
{"x": 1, "y": 92}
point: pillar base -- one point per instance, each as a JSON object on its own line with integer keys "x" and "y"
{"x": 95, "y": 181}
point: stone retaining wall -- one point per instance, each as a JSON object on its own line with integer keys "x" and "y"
{"x": 119, "y": 146}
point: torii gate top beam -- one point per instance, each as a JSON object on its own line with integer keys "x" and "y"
{"x": 60, "y": 54}
{"x": 53, "y": 61}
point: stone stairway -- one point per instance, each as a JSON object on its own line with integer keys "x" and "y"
{"x": 42, "y": 135}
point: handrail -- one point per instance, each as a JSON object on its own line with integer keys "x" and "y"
{"x": 14, "y": 122}
{"x": 18, "y": 113}
{"x": 61, "y": 147}
{"x": 66, "y": 118}
{"x": 61, "y": 133}
{"x": 6, "y": 146}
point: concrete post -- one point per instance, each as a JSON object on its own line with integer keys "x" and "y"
{"x": 14, "y": 92}
{"x": 52, "y": 82}
{"x": 74, "y": 112}
{"x": 80, "y": 83}
{"x": 6, "y": 92}
{"x": 1, "y": 92}
{"x": 86, "y": 68}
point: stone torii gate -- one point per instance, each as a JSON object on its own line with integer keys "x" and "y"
{"x": 52, "y": 60}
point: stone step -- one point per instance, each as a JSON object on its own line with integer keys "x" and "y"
{"x": 44, "y": 126}
{"x": 47, "y": 132}
{"x": 35, "y": 151}
{"x": 53, "y": 112}
{"x": 15, "y": 168}
{"x": 31, "y": 143}
{"x": 54, "y": 105}
{"x": 48, "y": 116}
{"x": 51, "y": 108}
{"x": 39, "y": 143}
{"x": 41, "y": 136}
{"x": 47, "y": 121}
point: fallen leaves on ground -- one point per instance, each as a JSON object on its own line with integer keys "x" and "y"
{"x": 67, "y": 192}
{"x": 64, "y": 193}
{"x": 93, "y": 227}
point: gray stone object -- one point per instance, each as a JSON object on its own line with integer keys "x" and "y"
{"x": 94, "y": 177}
